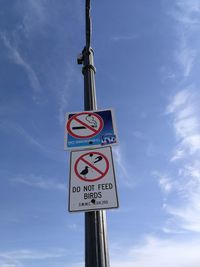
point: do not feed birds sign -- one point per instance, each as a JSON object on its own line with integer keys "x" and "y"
{"x": 92, "y": 183}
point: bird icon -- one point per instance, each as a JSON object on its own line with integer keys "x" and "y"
{"x": 84, "y": 172}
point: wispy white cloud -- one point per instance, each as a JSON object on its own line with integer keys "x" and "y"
{"x": 126, "y": 177}
{"x": 118, "y": 38}
{"x": 39, "y": 182}
{"x": 187, "y": 17}
{"x": 165, "y": 182}
{"x": 25, "y": 134}
{"x": 155, "y": 252}
{"x": 183, "y": 205}
{"x": 35, "y": 16}
{"x": 187, "y": 211}
{"x": 32, "y": 254}
{"x": 32, "y": 140}
{"x": 35, "y": 21}
{"x": 181, "y": 199}
{"x": 6, "y": 125}
{"x": 139, "y": 135}
{"x": 191, "y": 170}
{"x": 17, "y": 58}
{"x": 186, "y": 57}
{"x": 76, "y": 264}
{"x": 19, "y": 258}
{"x": 72, "y": 226}
{"x": 188, "y": 13}
{"x": 64, "y": 94}
{"x": 186, "y": 22}
{"x": 8, "y": 265}
{"x": 185, "y": 111}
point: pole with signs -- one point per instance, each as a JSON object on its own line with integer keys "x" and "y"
{"x": 96, "y": 249}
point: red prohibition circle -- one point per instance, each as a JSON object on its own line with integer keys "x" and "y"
{"x": 86, "y": 136}
{"x": 102, "y": 173}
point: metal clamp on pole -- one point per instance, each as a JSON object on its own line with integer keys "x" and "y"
{"x": 86, "y": 55}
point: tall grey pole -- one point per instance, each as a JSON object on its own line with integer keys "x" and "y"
{"x": 96, "y": 249}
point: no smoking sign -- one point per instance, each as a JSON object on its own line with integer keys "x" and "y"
{"x": 84, "y": 125}
{"x": 92, "y": 180}
{"x": 90, "y": 129}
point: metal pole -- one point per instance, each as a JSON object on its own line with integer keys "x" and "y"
{"x": 96, "y": 249}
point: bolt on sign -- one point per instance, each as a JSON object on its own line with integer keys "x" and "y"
{"x": 92, "y": 184}
{"x": 90, "y": 129}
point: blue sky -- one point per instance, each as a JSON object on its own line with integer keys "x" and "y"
{"x": 147, "y": 58}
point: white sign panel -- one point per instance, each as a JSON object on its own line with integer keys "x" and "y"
{"x": 92, "y": 180}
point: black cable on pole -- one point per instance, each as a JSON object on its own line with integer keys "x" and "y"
{"x": 88, "y": 25}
